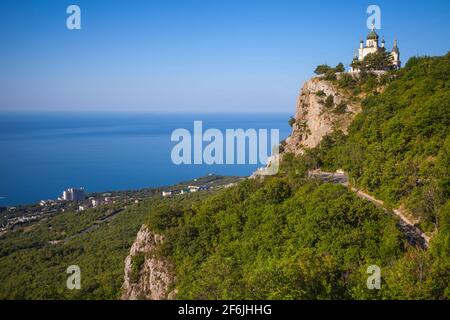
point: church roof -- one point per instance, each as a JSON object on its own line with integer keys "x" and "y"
{"x": 372, "y": 35}
{"x": 395, "y": 47}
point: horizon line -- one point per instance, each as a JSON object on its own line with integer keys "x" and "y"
{"x": 142, "y": 111}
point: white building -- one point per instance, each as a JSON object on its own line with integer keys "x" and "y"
{"x": 44, "y": 203}
{"x": 193, "y": 188}
{"x": 96, "y": 202}
{"x": 73, "y": 194}
{"x": 372, "y": 46}
{"x": 166, "y": 193}
{"x": 108, "y": 200}
{"x": 66, "y": 195}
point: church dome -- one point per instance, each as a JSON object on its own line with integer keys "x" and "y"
{"x": 372, "y": 35}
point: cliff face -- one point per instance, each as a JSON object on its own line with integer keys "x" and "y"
{"x": 321, "y": 109}
{"x": 146, "y": 275}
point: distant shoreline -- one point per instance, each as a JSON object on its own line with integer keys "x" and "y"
{"x": 47, "y": 153}
{"x": 130, "y": 191}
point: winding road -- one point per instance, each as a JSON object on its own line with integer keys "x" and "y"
{"x": 94, "y": 226}
{"x": 414, "y": 235}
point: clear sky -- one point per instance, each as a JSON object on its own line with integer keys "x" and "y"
{"x": 192, "y": 55}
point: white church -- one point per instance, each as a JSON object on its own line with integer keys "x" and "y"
{"x": 372, "y": 46}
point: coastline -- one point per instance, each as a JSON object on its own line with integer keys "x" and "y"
{"x": 106, "y": 152}
{"x": 13, "y": 217}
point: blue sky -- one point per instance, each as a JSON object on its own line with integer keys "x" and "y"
{"x": 192, "y": 55}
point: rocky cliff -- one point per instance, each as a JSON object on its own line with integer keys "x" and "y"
{"x": 321, "y": 108}
{"x": 147, "y": 276}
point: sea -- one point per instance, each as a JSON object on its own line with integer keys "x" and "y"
{"x": 42, "y": 154}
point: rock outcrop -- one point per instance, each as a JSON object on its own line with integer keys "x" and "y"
{"x": 321, "y": 109}
{"x": 147, "y": 276}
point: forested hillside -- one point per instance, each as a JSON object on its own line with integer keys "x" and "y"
{"x": 286, "y": 239}
{"x": 285, "y": 236}
{"x": 290, "y": 238}
{"x": 31, "y": 267}
{"x": 398, "y": 148}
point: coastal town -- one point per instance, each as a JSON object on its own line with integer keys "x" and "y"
{"x": 77, "y": 200}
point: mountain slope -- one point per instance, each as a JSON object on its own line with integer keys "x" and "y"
{"x": 287, "y": 237}
{"x": 398, "y": 147}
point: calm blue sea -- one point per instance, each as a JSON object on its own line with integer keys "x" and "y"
{"x": 42, "y": 154}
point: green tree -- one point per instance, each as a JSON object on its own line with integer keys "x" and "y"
{"x": 340, "y": 67}
{"x": 291, "y": 121}
{"x": 329, "y": 102}
{"x": 380, "y": 60}
{"x": 322, "y": 69}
